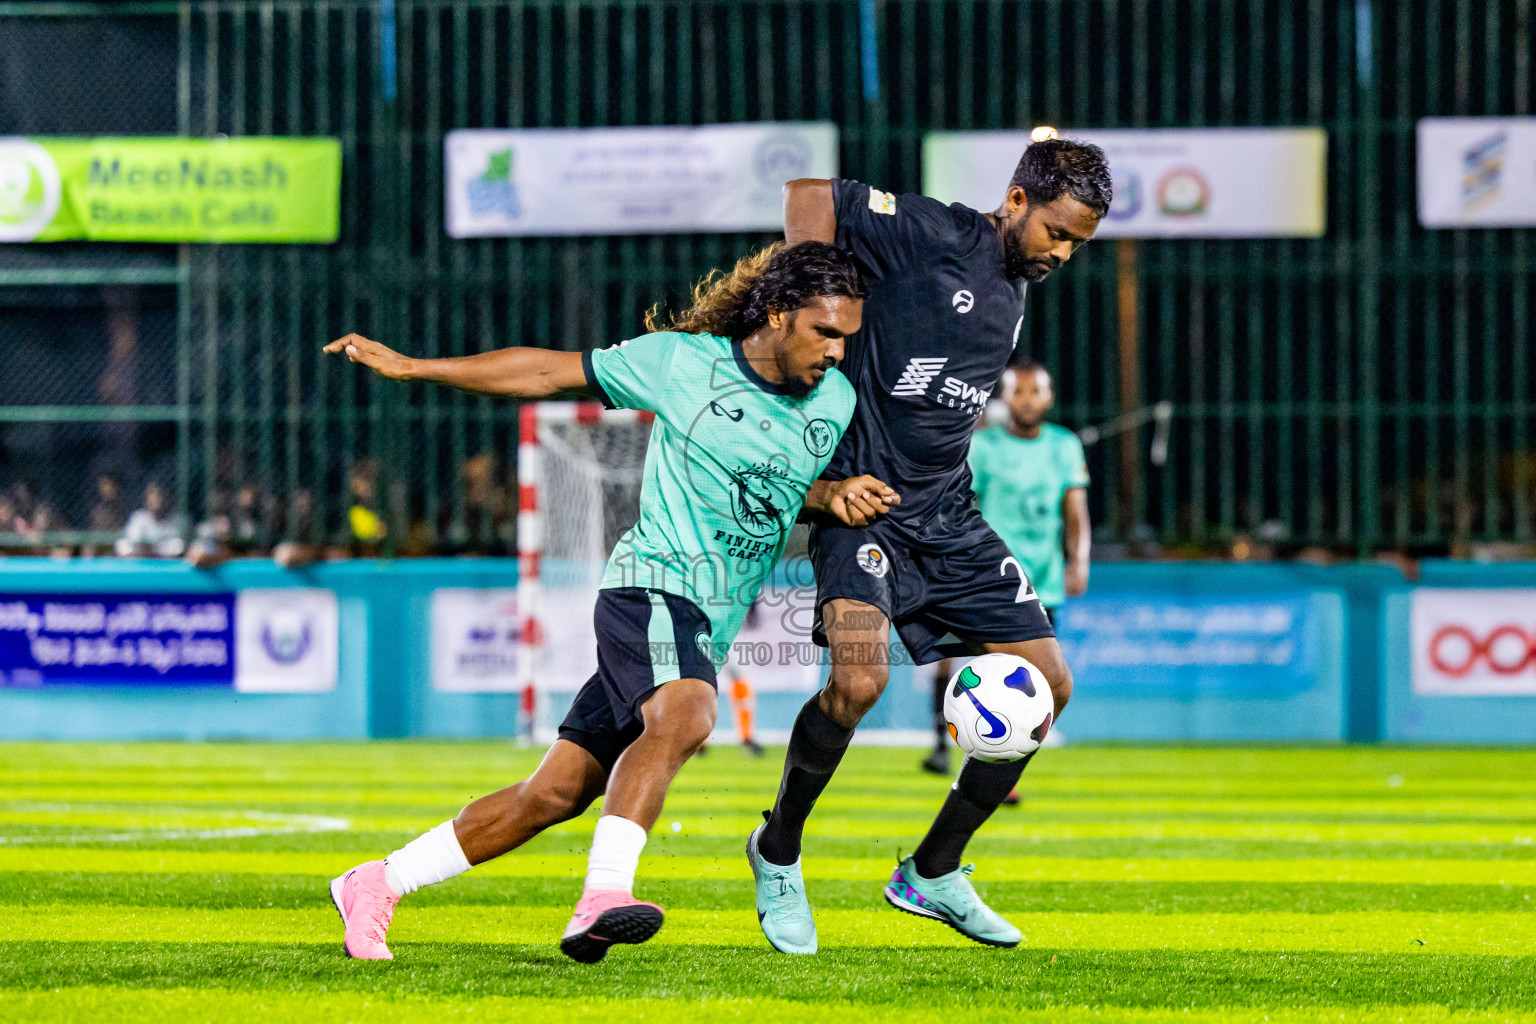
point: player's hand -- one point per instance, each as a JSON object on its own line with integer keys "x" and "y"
{"x": 1077, "y": 580}
{"x": 858, "y": 500}
{"x": 381, "y": 359}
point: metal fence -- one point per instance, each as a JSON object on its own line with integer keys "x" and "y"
{"x": 1370, "y": 389}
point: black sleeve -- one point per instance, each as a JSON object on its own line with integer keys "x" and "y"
{"x": 885, "y": 232}
{"x": 592, "y": 382}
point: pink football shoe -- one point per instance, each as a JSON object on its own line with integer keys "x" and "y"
{"x": 606, "y": 916}
{"x": 366, "y": 904}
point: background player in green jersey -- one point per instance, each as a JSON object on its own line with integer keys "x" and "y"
{"x": 749, "y": 407}
{"x": 1031, "y": 484}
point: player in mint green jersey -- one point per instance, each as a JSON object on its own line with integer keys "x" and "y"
{"x": 1031, "y": 484}
{"x": 748, "y": 407}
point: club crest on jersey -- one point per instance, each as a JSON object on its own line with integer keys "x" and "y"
{"x": 919, "y": 373}
{"x": 882, "y": 202}
{"x": 818, "y": 437}
{"x": 873, "y": 561}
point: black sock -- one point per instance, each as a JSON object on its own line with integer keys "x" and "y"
{"x": 940, "y": 726}
{"x": 816, "y": 746}
{"x": 978, "y": 791}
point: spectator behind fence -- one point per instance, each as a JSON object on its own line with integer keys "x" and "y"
{"x": 365, "y": 528}
{"x": 232, "y": 529}
{"x": 106, "y": 515}
{"x": 485, "y": 526}
{"x": 154, "y": 530}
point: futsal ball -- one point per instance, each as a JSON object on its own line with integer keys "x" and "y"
{"x": 999, "y": 708}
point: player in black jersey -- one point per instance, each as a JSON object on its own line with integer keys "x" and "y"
{"x": 945, "y": 307}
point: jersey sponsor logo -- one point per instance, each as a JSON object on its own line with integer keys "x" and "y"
{"x": 734, "y": 415}
{"x": 818, "y": 437}
{"x": 963, "y": 301}
{"x": 957, "y": 394}
{"x": 873, "y": 561}
{"x": 918, "y": 374}
{"x": 882, "y": 202}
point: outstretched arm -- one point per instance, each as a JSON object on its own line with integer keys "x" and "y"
{"x": 809, "y": 215}
{"x": 507, "y": 372}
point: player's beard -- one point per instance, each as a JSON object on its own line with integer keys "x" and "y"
{"x": 1017, "y": 262}
{"x": 797, "y": 387}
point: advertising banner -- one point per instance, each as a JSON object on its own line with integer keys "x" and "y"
{"x": 1163, "y": 644}
{"x": 169, "y": 189}
{"x": 286, "y": 640}
{"x": 618, "y": 181}
{"x": 774, "y": 650}
{"x": 1169, "y": 183}
{"x": 119, "y": 639}
{"x": 1477, "y": 172}
{"x": 261, "y": 641}
{"x": 477, "y": 641}
{"x": 1473, "y": 642}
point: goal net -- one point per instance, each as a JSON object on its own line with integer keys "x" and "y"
{"x": 580, "y": 468}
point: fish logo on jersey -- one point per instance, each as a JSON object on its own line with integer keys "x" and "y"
{"x": 758, "y": 502}
{"x": 919, "y": 373}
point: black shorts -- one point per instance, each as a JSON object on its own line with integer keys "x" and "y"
{"x": 644, "y": 638}
{"x": 942, "y": 603}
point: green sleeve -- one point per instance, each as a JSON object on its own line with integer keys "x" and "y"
{"x": 632, "y": 374}
{"x": 1077, "y": 463}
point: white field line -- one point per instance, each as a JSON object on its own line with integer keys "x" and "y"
{"x": 278, "y": 824}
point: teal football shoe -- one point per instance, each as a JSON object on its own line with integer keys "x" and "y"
{"x": 952, "y": 899}
{"x": 782, "y": 908}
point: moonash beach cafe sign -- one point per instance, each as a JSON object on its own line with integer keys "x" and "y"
{"x": 169, "y": 189}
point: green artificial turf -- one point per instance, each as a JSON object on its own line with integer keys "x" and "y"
{"x": 141, "y": 882}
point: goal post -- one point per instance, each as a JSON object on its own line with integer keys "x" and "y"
{"x": 579, "y": 472}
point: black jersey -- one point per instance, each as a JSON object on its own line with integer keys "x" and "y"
{"x": 940, "y": 325}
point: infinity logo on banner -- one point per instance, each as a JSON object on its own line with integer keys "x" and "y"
{"x": 1469, "y": 642}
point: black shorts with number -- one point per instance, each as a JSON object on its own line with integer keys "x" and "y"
{"x": 942, "y": 599}
{"x": 644, "y": 638}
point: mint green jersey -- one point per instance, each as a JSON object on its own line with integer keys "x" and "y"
{"x": 730, "y": 459}
{"x": 1020, "y": 484}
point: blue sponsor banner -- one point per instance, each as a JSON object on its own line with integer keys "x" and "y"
{"x": 117, "y": 639}
{"x": 1170, "y": 644}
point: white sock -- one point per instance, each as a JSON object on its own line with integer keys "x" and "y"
{"x": 428, "y": 859}
{"x": 616, "y": 846}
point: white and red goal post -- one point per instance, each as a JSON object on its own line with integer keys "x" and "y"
{"x": 579, "y": 471}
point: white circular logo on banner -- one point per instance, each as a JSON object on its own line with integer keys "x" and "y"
{"x": 30, "y": 190}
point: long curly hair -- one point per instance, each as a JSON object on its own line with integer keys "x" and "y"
{"x": 779, "y": 278}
